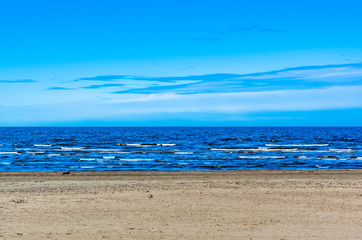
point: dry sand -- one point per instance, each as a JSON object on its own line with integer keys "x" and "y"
{"x": 185, "y": 205}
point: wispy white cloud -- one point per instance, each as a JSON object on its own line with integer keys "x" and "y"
{"x": 207, "y": 103}
{"x": 305, "y": 77}
{"x": 287, "y": 100}
{"x": 148, "y": 98}
{"x": 295, "y": 89}
{"x": 103, "y": 78}
{"x": 18, "y": 81}
{"x": 60, "y": 88}
{"x": 99, "y": 86}
{"x": 332, "y": 73}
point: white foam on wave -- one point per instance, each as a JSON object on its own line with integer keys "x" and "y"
{"x": 184, "y": 153}
{"x": 54, "y": 154}
{"x": 105, "y": 150}
{"x": 336, "y": 159}
{"x": 43, "y": 145}
{"x": 260, "y": 149}
{"x": 226, "y": 149}
{"x": 133, "y": 144}
{"x": 244, "y": 157}
{"x": 87, "y": 159}
{"x": 330, "y": 158}
{"x": 102, "y": 150}
{"x": 71, "y": 148}
{"x": 136, "y": 159}
{"x": 183, "y": 163}
{"x": 149, "y": 145}
{"x": 320, "y": 166}
{"x": 262, "y": 157}
{"x": 109, "y": 157}
{"x": 168, "y": 144}
{"x": 297, "y": 145}
{"x": 8, "y": 153}
{"x": 313, "y": 151}
{"x": 5, "y": 163}
{"x": 35, "y": 153}
{"x": 341, "y": 150}
{"x": 287, "y": 150}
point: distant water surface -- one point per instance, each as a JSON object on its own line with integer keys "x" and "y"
{"x": 179, "y": 148}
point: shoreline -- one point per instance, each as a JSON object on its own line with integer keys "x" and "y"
{"x": 122, "y": 175}
{"x": 246, "y": 204}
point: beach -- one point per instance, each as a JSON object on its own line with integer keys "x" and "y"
{"x": 284, "y": 204}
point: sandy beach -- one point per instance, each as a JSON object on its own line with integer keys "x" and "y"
{"x": 182, "y": 205}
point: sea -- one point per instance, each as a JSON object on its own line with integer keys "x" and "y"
{"x": 28, "y": 149}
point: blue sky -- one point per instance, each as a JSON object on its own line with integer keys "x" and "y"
{"x": 172, "y": 63}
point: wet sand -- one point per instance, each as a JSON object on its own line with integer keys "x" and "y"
{"x": 182, "y": 205}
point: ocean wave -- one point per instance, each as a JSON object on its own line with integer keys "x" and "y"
{"x": 136, "y": 159}
{"x": 36, "y": 153}
{"x": 342, "y": 150}
{"x": 261, "y": 157}
{"x": 260, "y": 149}
{"x": 54, "y": 154}
{"x": 101, "y": 150}
{"x": 226, "y": 149}
{"x": 71, "y": 149}
{"x": 168, "y": 144}
{"x": 297, "y": 145}
{"x": 8, "y": 153}
{"x": 104, "y": 161}
{"x": 287, "y": 150}
{"x": 330, "y": 158}
{"x": 52, "y": 149}
{"x": 147, "y": 144}
{"x": 43, "y": 145}
{"x": 320, "y": 166}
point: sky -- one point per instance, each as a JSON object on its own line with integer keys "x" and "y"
{"x": 180, "y": 63}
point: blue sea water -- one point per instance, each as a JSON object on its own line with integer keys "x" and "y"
{"x": 179, "y": 148}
